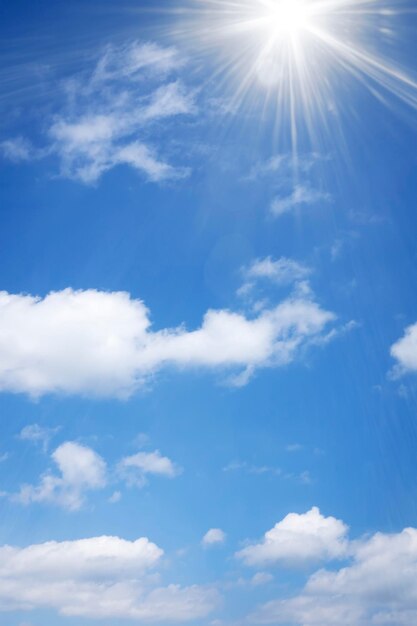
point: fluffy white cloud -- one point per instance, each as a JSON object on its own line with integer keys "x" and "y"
{"x": 379, "y": 587}
{"x": 100, "y": 343}
{"x": 80, "y": 470}
{"x": 102, "y": 577}
{"x": 405, "y": 350}
{"x": 299, "y": 197}
{"x": 299, "y": 539}
{"x": 102, "y": 122}
{"x": 137, "y": 467}
{"x": 214, "y": 536}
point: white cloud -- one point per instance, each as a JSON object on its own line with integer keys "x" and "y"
{"x": 214, "y": 536}
{"x": 405, "y": 351}
{"x": 16, "y": 150}
{"x": 37, "y": 434}
{"x": 101, "y": 343}
{"x": 137, "y": 467}
{"x": 300, "y": 196}
{"x": 101, "y": 577}
{"x": 107, "y": 115}
{"x": 299, "y": 539}
{"x": 281, "y": 271}
{"x": 261, "y": 578}
{"x": 379, "y": 587}
{"x": 80, "y": 470}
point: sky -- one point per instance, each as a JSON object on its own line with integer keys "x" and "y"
{"x": 208, "y": 313}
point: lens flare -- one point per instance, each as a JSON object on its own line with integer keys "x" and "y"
{"x": 306, "y": 57}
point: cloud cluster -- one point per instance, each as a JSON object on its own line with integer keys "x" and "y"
{"x": 377, "y": 583}
{"x": 299, "y": 539}
{"x": 109, "y": 114}
{"x": 80, "y": 470}
{"x": 102, "y": 577}
{"x": 378, "y": 587}
{"x": 101, "y": 343}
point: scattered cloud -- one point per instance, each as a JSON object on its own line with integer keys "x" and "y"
{"x": 405, "y": 351}
{"x": 300, "y": 196}
{"x": 261, "y": 578}
{"x": 214, "y": 536}
{"x": 16, "y": 150}
{"x": 101, "y": 343}
{"x": 101, "y": 577}
{"x": 80, "y": 470}
{"x": 108, "y": 114}
{"x": 281, "y": 271}
{"x": 135, "y": 469}
{"x": 38, "y": 434}
{"x": 299, "y": 540}
{"x": 378, "y": 586}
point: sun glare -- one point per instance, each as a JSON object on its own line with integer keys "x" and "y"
{"x": 303, "y": 55}
{"x": 285, "y": 18}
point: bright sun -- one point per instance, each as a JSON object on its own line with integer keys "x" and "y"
{"x": 286, "y": 18}
{"x": 305, "y": 54}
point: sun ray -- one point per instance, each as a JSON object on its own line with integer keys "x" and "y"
{"x": 299, "y": 55}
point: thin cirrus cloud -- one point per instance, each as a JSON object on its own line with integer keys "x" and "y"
{"x": 101, "y": 343}
{"x": 100, "y": 577}
{"x": 378, "y": 585}
{"x": 105, "y": 114}
{"x": 299, "y": 539}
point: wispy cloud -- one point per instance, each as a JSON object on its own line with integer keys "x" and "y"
{"x": 38, "y": 434}
{"x": 282, "y": 271}
{"x": 299, "y": 197}
{"x": 108, "y": 114}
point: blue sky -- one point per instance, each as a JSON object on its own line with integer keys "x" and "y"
{"x": 208, "y": 314}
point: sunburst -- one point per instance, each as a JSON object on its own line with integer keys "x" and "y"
{"x": 302, "y": 55}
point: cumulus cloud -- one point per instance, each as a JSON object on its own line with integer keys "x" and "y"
{"x": 378, "y": 586}
{"x": 102, "y": 121}
{"x": 101, "y": 577}
{"x": 299, "y": 539}
{"x": 101, "y": 343}
{"x": 136, "y": 468}
{"x": 405, "y": 351}
{"x": 80, "y": 469}
{"x": 300, "y": 196}
{"x": 214, "y": 536}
